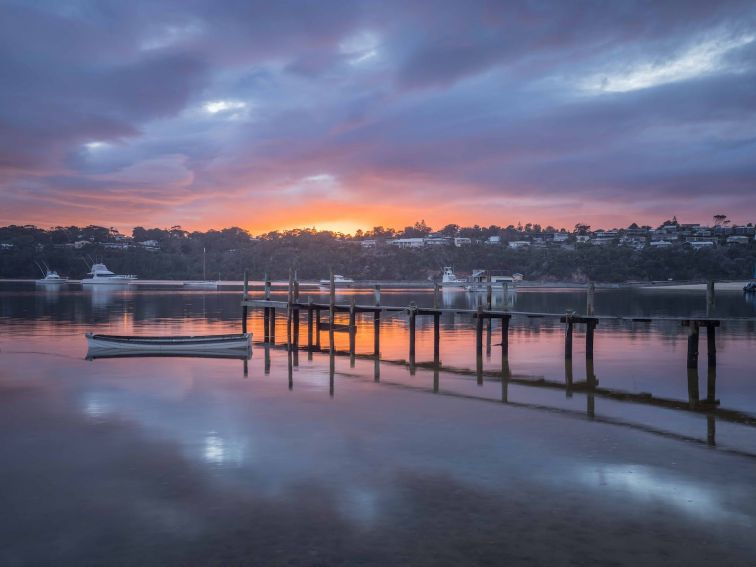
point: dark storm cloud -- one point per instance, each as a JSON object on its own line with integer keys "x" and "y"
{"x": 177, "y": 107}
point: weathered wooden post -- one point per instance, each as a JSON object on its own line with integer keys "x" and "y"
{"x": 331, "y": 372}
{"x": 412, "y": 327}
{"x": 590, "y": 326}
{"x": 711, "y": 344}
{"x": 266, "y": 310}
{"x": 489, "y": 322}
{"x": 272, "y": 324}
{"x": 318, "y": 329}
{"x": 309, "y": 326}
{"x": 377, "y": 322}
{"x": 709, "y": 298}
{"x": 568, "y": 335}
{"x": 289, "y": 313}
{"x": 505, "y": 336}
{"x": 479, "y": 345}
{"x": 693, "y": 395}
{"x": 290, "y": 368}
{"x": 332, "y": 314}
{"x": 352, "y": 329}
{"x": 295, "y": 315}
{"x": 711, "y": 385}
{"x": 436, "y": 291}
{"x": 244, "y": 302}
{"x": 692, "y": 344}
{"x": 590, "y": 376}
{"x": 590, "y": 295}
{"x": 436, "y": 339}
{"x": 568, "y": 377}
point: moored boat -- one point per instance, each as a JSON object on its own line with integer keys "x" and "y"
{"x": 170, "y": 344}
{"x": 50, "y": 276}
{"x": 102, "y": 276}
{"x": 450, "y": 280}
{"x": 338, "y": 281}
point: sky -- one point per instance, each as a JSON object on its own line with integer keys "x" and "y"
{"x": 348, "y": 114}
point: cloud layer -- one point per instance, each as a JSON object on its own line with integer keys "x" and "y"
{"x": 347, "y": 114}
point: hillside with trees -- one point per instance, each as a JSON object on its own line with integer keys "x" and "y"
{"x": 175, "y": 253}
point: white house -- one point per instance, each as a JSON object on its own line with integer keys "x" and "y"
{"x": 738, "y": 240}
{"x": 493, "y": 240}
{"x": 408, "y": 242}
{"x": 701, "y": 244}
{"x": 660, "y": 244}
{"x": 368, "y": 243}
{"x": 462, "y": 241}
{"x": 519, "y": 244}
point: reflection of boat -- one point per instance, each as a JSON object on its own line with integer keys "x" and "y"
{"x": 51, "y": 277}
{"x": 750, "y": 287}
{"x": 102, "y": 276}
{"x": 450, "y": 279}
{"x": 177, "y": 344}
{"x": 201, "y": 284}
{"x": 338, "y": 280}
{"x": 105, "y": 352}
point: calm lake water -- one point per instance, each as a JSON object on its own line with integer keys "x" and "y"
{"x": 184, "y": 461}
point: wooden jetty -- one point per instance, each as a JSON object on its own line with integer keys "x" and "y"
{"x": 293, "y": 307}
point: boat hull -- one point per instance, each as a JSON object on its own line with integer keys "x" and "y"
{"x": 204, "y": 343}
{"x": 107, "y": 281}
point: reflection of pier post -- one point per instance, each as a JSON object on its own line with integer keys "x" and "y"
{"x": 506, "y": 374}
{"x": 289, "y": 312}
{"x": 266, "y": 348}
{"x": 376, "y": 370}
{"x": 479, "y": 345}
{"x": 505, "y": 336}
{"x": 272, "y": 323}
{"x": 568, "y": 378}
{"x": 711, "y": 430}
{"x": 412, "y": 328}
{"x": 711, "y": 345}
{"x": 290, "y": 368}
{"x": 246, "y": 367}
{"x": 331, "y": 372}
{"x": 590, "y": 377}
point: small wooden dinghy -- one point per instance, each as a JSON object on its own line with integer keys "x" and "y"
{"x": 177, "y": 345}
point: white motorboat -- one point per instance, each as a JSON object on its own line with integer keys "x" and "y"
{"x": 51, "y": 278}
{"x": 338, "y": 280}
{"x": 100, "y": 275}
{"x": 450, "y": 279}
{"x": 170, "y": 345}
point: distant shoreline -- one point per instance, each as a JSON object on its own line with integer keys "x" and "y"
{"x": 392, "y": 284}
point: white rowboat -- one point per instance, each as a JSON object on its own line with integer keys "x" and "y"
{"x": 205, "y": 343}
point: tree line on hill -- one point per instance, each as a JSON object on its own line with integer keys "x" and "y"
{"x": 179, "y": 255}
